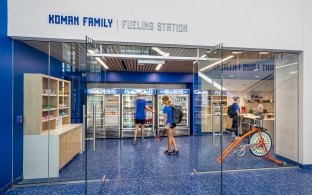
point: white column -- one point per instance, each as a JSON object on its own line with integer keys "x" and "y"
{"x": 306, "y": 115}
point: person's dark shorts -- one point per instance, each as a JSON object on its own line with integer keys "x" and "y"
{"x": 139, "y": 121}
{"x": 172, "y": 126}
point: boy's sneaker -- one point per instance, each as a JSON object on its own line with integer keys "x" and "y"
{"x": 175, "y": 152}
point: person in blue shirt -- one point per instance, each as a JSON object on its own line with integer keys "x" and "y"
{"x": 140, "y": 107}
{"x": 169, "y": 126}
{"x": 235, "y": 123}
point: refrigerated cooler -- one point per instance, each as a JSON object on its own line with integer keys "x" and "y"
{"x": 103, "y": 107}
{"x": 180, "y": 97}
{"x": 202, "y": 111}
{"x": 128, "y": 112}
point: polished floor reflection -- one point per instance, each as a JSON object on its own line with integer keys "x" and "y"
{"x": 144, "y": 168}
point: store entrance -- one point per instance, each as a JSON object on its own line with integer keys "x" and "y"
{"x": 74, "y": 108}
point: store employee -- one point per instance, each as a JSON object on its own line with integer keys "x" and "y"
{"x": 259, "y": 110}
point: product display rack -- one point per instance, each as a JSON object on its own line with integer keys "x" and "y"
{"x": 202, "y": 110}
{"x": 46, "y": 99}
{"x": 98, "y": 102}
{"x": 207, "y": 110}
{"x": 107, "y": 102}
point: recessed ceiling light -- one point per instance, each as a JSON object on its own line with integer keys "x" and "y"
{"x": 293, "y": 72}
{"x": 236, "y": 52}
{"x": 158, "y": 66}
{"x": 216, "y": 63}
{"x": 160, "y": 51}
{"x": 257, "y": 76}
{"x": 232, "y": 75}
{"x": 263, "y": 53}
{"x": 256, "y": 69}
{"x": 101, "y": 62}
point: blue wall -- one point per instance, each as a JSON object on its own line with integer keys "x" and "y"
{"x": 5, "y": 100}
{"x": 141, "y": 77}
{"x": 6, "y": 111}
{"x": 3, "y": 17}
{"x": 25, "y": 59}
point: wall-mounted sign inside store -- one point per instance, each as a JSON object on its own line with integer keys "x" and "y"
{"x": 98, "y": 91}
{"x": 138, "y": 91}
{"x": 245, "y": 67}
{"x": 173, "y": 91}
{"x": 56, "y": 19}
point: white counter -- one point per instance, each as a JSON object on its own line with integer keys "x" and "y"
{"x": 45, "y": 154}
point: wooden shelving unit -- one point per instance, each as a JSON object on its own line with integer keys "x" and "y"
{"x": 45, "y": 99}
{"x": 50, "y": 140}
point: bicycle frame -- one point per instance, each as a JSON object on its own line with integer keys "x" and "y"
{"x": 255, "y": 129}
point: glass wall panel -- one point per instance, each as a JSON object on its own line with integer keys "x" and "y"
{"x": 47, "y": 135}
{"x": 210, "y": 104}
{"x": 34, "y": 106}
{"x": 251, "y": 76}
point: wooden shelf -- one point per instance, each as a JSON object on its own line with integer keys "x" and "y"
{"x": 50, "y": 119}
{"x": 42, "y": 90}
{"x": 50, "y": 109}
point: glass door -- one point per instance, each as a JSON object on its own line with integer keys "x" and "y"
{"x": 209, "y": 104}
{"x": 101, "y": 116}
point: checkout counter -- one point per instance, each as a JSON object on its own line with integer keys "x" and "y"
{"x": 248, "y": 120}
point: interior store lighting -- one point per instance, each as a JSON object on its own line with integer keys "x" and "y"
{"x": 91, "y": 51}
{"x": 98, "y": 59}
{"x": 287, "y": 65}
{"x": 101, "y": 62}
{"x": 293, "y": 72}
{"x": 203, "y": 56}
{"x": 216, "y": 63}
{"x": 210, "y": 81}
{"x": 160, "y": 51}
{"x": 236, "y": 52}
{"x": 158, "y": 66}
{"x": 263, "y": 53}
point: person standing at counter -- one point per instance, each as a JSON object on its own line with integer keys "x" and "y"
{"x": 236, "y": 118}
{"x": 259, "y": 109}
{"x": 140, "y": 107}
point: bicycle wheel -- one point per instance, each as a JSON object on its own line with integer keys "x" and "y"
{"x": 256, "y": 148}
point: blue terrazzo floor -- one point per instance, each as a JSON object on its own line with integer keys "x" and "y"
{"x": 145, "y": 169}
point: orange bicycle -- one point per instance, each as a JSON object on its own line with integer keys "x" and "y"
{"x": 260, "y": 144}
